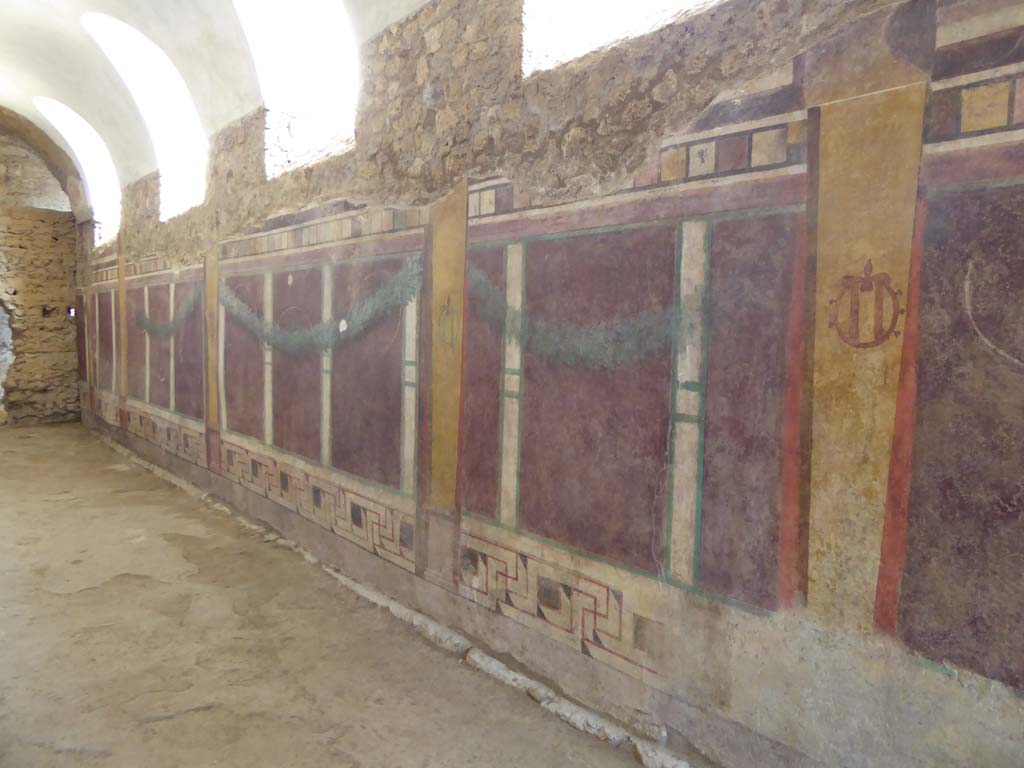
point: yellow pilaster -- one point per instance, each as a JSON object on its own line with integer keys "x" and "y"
{"x": 869, "y": 154}
{"x": 212, "y": 314}
{"x": 448, "y": 220}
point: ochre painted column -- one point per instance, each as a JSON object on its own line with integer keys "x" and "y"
{"x": 447, "y": 307}
{"x": 211, "y": 273}
{"x": 869, "y": 154}
{"x": 121, "y": 385}
{"x": 438, "y": 518}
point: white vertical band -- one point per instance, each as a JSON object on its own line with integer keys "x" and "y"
{"x": 687, "y": 397}
{"x": 511, "y": 389}
{"x": 170, "y": 314}
{"x": 410, "y": 379}
{"x": 327, "y": 358}
{"x": 268, "y": 362}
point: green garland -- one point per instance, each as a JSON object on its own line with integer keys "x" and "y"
{"x": 396, "y": 292}
{"x": 605, "y": 345}
{"x": 167, "y": 330}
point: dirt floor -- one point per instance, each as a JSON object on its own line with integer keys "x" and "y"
{"x": 139, "y": 628}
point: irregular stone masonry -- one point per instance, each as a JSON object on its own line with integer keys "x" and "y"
{"x": 37, "y": 259}
{"x": 444, "y": 98}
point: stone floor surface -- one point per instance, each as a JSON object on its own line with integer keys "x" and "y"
{"x": 140, "y": 629}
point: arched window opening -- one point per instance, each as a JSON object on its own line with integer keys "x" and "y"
{"x": 166, "y": 106}
{"x": 557, "y": 31}
{"x": 101, "y": 183}
{"x": 307, "y": 63}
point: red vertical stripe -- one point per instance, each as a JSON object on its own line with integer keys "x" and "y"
{"x": 789, "y": 523}
{"x": 894, "y": 532}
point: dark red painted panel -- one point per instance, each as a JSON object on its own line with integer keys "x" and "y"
{"x": 243, "y": 362}
{"x": 962, "y": 592}
{"x": 80, "y": 326}
{"x": 942, "y": 118}
{"x": 749, "y": 308}
{"x": 116, "y": 362}
{"x": 93, "y": 339}
{"x": 297, "y": 379}
{"x": 159, "y": 347}
{"x": 105, "y": 361}
{"x": 136, "y": 337}
{"x": 731, "y": 154}
{"x": 366, "y": 381}
{"x": 479, "y": 459}
{"x": 189, "y": 351}
{"x": 594, "y": 441}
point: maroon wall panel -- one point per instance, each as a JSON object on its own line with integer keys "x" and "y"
{"x": 105, "y": 363}
{"x": 94, "y": 343}
{"x": 189, "y": 351}
{"x": 594, "y": 441}
{"x": 80, "y": 326}
{"x": 136, "y": 299}
{"x": 962, "y": 595}
{"x": 750, "y": 285}
{"x": 366, "y": 381}
{"x": 159, "y": 347}
{"x": 243, "y": 362}
{"x": 479, "y": 459}
{"x": 297, "y": 379}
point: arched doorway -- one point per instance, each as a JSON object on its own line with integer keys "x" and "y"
{"x": 38, "y": 376}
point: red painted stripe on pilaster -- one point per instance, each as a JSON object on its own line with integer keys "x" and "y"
{"x": 894, "y": 532}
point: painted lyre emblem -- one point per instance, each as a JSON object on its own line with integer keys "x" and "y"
{"x": 446, "y": 324}
{"x": 883, "y": 302}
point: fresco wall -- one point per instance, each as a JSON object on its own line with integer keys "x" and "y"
{"x": 762, "y": 409}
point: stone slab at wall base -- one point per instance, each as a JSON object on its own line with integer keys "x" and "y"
{"x": 692, "y": 730}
